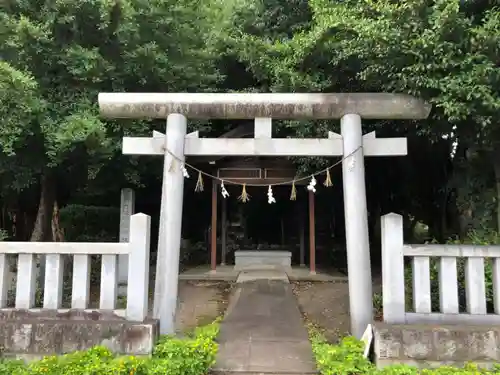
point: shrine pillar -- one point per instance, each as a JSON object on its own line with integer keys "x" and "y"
{"x": 169, "y": 237}
{"x": 356, "y": 225}
{"x": 312, "y": 234}
{"x": 213, "y": 230}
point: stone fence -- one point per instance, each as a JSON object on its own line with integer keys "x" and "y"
{"x": 137, "y": 294}
{"x": 394, "y": 252}
{"x": 435, "y": 334}
{"x": 26, "y": 331}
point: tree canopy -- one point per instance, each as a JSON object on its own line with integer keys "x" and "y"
{"x": 59, "y": 55}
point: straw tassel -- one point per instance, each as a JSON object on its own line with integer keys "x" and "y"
{"x": 199, "y": 183}
{"x": 172, "y": 165}
{"x": 185, "y": 172}
{"x": 270, "y": 196}
{"x": 328, "y": 180}
{"x": 244, "y": 197}
{"x": 223, "y": 190}
{"x": 293, "y": 194}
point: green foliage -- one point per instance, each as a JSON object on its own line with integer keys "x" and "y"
{"x": 346, "y": 358}
{"x": 57, "y": 56}
{"x": 10, "y": 366}
{"x": 21, "y": 103}
{"x": 82, "y": 223}
{"x": 444, "y": 51}
{"x": 193, "y": 355}
{"x": 435, "y": 50}
{"x": 90, "y": 223}
{"x": 189, "y": 356}
{"x": 473, "y": 181}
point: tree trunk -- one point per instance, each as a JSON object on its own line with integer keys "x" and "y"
{"x": 57, "y": 231}
{"x": 444, "y": 215}
{"x": 466, "y": 223}
{"x": 42, "y": 231}
{"x": 496, "y": 167}
{"x": 374, "y": 222}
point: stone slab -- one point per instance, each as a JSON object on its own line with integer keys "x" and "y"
{"x": 263, "y": 332}
{"x": 426, "y": 346}
{"x": 262, "y": 259}
{"x": 251, "y": 105}
{"x": 29, "y": 335}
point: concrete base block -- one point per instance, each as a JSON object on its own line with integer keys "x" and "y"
{"x": 32, "y": 334}
{"x": 428, "y": 346}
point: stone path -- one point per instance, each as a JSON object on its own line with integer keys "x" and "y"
{"x": 263, "y": 332}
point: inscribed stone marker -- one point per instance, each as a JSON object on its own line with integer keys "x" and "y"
{"x": 127, "y": 208}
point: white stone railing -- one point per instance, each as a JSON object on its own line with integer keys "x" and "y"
{"x": 394, "y": 252}
{"x": 137, "y": 249}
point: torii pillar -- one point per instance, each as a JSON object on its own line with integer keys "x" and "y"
{"x": 356, "y": 224}
{"x": 351, "y": 144}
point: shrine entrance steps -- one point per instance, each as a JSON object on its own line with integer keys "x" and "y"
{"x": 263, "y": 332}
{"x": 262, "y": 274}
{"x": 228, "y": 273}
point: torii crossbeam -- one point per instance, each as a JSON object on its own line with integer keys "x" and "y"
{"x": 264, "y": 146}
{"x": 349, "y": 108}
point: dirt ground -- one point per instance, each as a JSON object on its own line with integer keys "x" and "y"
{"x": 200, "y": 302}
{"x": 326, "y": 305}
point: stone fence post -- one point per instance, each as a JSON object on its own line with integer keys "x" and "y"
{"x": 138, "y": 272}
{"x": 393, "y": 278}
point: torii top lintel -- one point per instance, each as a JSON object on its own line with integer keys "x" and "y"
{"x": 252, "y": 105}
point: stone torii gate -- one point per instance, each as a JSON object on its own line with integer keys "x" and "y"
{"x": 349, "y": 108}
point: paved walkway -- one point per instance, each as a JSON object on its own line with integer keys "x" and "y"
{"x": 263, "y": 332}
